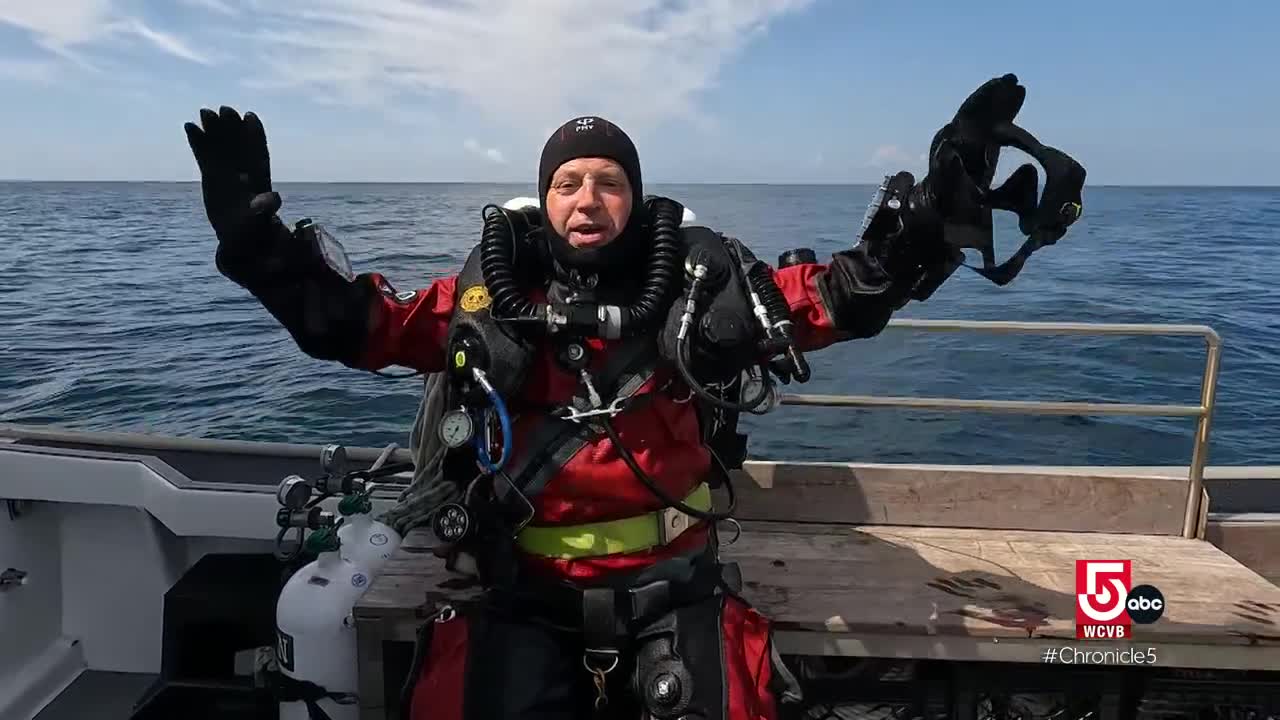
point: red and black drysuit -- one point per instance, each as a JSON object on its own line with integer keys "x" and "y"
{"x": 505, "y": 668}
{"x": 521, "y": 655}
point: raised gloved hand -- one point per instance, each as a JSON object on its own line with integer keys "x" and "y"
{"x": 301, "y": 276}
{"x": 235, "y": 179}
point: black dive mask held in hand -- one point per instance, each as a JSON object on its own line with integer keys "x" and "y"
{"x": 962, "y": 164}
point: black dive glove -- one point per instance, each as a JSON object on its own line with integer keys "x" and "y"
{"x": 235, "y": 180}
{"x": 300, "y": 276}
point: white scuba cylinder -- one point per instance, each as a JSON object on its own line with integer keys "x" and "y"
{"x": 315, "y": 631}
{"x": 367, "y": 543}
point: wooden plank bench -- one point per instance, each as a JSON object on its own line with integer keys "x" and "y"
{"x": 963, "y": 565}
{"x": 1252, "y": 539}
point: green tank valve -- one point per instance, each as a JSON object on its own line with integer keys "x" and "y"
{"x": 322, "y": 540}
{"x": 355, "y": 504}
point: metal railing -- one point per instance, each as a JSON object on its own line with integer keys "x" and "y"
{"x": 1203, "y": 412}
{"x": 1199, "y": 455}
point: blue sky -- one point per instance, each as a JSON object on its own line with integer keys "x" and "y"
{"x": 715, "y": 91}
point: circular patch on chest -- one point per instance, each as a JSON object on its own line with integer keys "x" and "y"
{"x": 475, "y": 298}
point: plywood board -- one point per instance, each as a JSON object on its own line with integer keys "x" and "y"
{"x": 1084, "y": 499}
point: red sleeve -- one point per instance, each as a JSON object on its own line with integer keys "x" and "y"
{"x": 409, "y": 328}
{"x": 813, "y": 328}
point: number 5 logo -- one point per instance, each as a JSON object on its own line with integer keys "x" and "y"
{"x": 1106, "y": 582}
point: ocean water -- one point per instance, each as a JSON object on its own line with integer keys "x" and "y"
{"x": 113, "y": 317}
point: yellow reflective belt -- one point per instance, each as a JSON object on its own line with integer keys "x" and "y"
{"x": 610, "y": 537}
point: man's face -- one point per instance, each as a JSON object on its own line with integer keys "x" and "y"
{"x": 589, "y": 201}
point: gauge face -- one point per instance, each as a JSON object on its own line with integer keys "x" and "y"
{"x": 293, "y": 493}
{"x": 456, "y": 428}
{"x": 333, "y": 460}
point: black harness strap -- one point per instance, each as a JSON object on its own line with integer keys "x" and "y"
{"x": 554, "y": 441}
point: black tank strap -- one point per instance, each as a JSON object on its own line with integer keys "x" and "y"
{"x": 290, "y": 689}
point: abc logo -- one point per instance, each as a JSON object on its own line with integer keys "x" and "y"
{"x": 1145, "y": 604}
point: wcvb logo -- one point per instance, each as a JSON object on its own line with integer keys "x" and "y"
{"x": 1107, "y": 603}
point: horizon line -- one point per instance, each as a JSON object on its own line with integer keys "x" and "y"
{"x": 663, "y": 182}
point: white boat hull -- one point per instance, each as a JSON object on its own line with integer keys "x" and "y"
{"x": 101, "y": 536}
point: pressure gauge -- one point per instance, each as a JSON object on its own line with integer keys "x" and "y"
{"x": 456, "y": 428}
{"x": 333, "y": 460}
{"x": 752, "y": 386}
{"x": 293, "y": 493}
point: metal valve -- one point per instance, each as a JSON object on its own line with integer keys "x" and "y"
{"x": 664, "y": 690}
{"x": 341, "y": 485}
{"x": 312, "y": 518}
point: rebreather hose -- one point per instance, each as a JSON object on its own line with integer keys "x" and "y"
{"x": 652, "y": 484}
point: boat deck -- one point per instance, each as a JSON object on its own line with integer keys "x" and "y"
{"x": 960, "y": 588}
{"x": 927, "y": 591}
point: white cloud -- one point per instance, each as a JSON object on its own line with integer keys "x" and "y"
{"x": 528, "y": 63}
{"x": 493, "y": 154}
{"x": 62, "y": 25}
{"x": 217, "y": 6}
{"x": 511, "y": 70}
{"x": 891, "y": 156}
{"x": 66, "y": 23}
{"x": 636, "y": 62}
{"x": 165, "y": 41}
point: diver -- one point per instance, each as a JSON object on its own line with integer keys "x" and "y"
{"x": 581, "y": 402}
